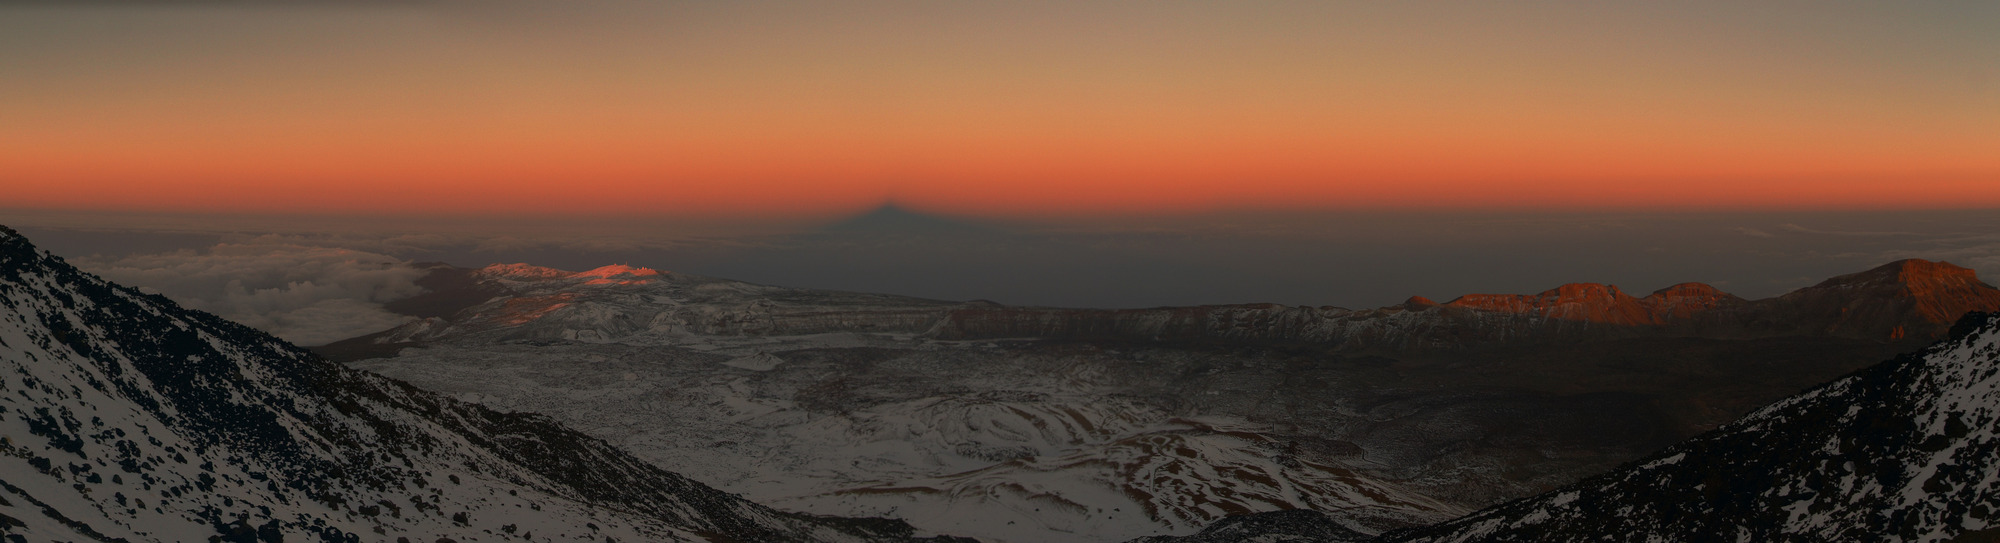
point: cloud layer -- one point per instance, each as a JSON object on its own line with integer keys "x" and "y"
{"x": 304, "y": 294}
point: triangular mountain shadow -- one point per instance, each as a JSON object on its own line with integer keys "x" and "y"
{"x": 895, "y": 220}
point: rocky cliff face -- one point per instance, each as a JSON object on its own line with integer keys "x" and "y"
{"x": 129, "y": 418}
{"x": 1903, "y": 299}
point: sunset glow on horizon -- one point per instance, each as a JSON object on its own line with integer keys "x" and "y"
{"x": 765, "y": 109}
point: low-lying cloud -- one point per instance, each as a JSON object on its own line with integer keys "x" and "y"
{"x": 305, "y": 294}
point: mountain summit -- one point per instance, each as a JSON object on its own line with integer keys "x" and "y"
{"x": 1915, "y": 275}
{"x": 1905, "y": 298}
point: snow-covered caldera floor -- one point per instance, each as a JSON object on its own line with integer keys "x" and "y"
{"x": 846, "y": 425}
{"x": 727, "y": 383}
{"x": 1041, "y": 424}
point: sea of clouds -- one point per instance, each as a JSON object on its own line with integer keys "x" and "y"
{"x": 308, "y": 295}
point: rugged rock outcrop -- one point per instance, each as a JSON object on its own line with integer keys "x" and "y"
{"x": 1914, "y": 299}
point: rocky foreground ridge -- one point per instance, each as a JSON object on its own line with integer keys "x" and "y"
{"x": 1905, "y": 450}
{"x": 129, "y": 418}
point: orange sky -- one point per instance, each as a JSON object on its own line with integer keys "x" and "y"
{"x": 783, "y": 109}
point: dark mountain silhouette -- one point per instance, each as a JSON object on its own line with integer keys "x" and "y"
{"x": 895, "y": 220}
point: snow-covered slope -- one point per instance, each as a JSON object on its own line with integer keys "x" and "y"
{"x": 124, "y": 417}
{"x": 1908, "y": 450}
{"x": 1042, "y": 424}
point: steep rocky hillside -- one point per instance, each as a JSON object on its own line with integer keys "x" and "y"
{"x": 1907, "y": 450}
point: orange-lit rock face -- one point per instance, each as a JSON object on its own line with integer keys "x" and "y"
{"x": 1911, "y": 272}
{"x": 525, "y": 309}
{"x": 616, "y": 270}
{"x": 1942, "y": 291}
{"x": 618, "y": 274}
{"x": 1899, "y": 299}
{"x": 1598, "y": 303}
{"x": 1685, "y": 300}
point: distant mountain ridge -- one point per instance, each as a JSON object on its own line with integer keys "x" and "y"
{"x": 1907, "y": 300}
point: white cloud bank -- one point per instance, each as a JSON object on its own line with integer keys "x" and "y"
{"x": 304, "y": 294}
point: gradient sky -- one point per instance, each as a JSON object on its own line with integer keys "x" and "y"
{"x": 995, "y": 108}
